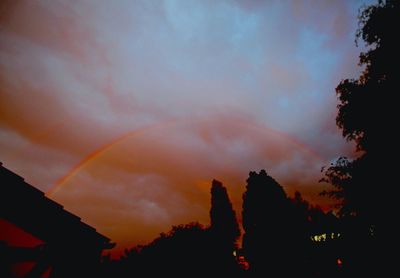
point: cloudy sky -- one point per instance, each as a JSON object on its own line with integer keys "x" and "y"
{"x": 124, "y": 111}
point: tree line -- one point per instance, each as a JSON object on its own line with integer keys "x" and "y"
{"x": 284, "y": 236}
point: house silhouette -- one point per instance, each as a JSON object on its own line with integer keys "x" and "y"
{"x": 65, "y": 246}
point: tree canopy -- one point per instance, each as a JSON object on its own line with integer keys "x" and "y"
{"x": 362, "y": 110}
{"x": 366, "y": 116}
{"x": 223, "y": 218}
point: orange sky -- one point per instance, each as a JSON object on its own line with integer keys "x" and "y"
{"x": 125, "y": 112}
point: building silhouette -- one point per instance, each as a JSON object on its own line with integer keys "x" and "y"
{"x": 39, "y": 238}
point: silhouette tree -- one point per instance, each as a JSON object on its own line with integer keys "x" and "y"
{"x": 224, "y": 225}
{"x": 366, "y": 114}
{"x": 301, "y": 220}
{"x": 181, "y": 252}
{"x": 265, "y": 212}
{"x": 186, "y": 250}
{"x": 340, "y": 175}
{"x": 224, "y": 230}
{"x": 360, "y": 114}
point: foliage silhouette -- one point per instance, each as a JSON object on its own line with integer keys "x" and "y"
{"x": 187, "y": 250}
{"x": 224, "y": 225}
{"x": 224, "y": 231}
{"x": 275, "y": 236}
{"x": 363, "y": 101}
{"x": 366, "y": 113}
{"x": 180, "y": 252}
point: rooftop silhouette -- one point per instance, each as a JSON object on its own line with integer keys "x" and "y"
{"x": 67, "y": 241}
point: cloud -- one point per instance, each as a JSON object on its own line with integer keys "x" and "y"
{"x": 210, "y": 90}
{"x": 149, "y": 181}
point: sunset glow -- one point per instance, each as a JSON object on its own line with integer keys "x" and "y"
{"x": 125, "y": 111}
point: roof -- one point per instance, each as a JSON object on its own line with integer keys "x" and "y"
{"x": 27, "y": 207}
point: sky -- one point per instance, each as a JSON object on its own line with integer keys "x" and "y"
{"x": 124, "y": 111}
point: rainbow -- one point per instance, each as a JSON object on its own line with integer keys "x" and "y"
{"x": 97, "y": 152}
{"x": 102, "y": 149}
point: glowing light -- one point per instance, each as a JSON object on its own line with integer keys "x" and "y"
{"x": 324, "y": 237}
